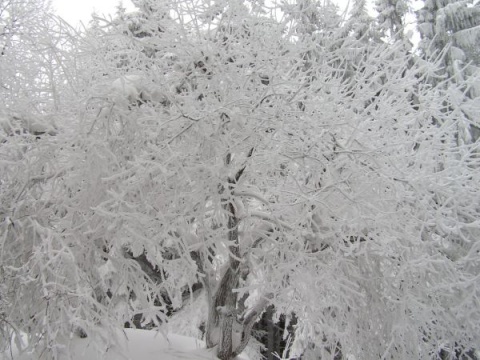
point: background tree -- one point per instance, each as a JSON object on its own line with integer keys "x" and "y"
{"x": 449, "y": 32}
{"x": 36, "y": 86}
{"x": 391, "y": 17}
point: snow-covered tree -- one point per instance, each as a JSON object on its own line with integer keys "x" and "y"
{"x": 450, "y": 36}
{"x": 206, "y": 147}
{"x": 359, "y": 23}
{"x": 33, "y": 46}
{"x": 37, "y": 73}
{"x": 391, "y": 17}
{"x": 453, "y": 26}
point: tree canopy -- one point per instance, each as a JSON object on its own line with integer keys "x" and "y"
{"x": 268, "y": 154}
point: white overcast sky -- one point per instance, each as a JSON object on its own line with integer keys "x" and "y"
{"x": 74, "y": 11}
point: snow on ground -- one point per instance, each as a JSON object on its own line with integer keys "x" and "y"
{"x": 138, "y": 345}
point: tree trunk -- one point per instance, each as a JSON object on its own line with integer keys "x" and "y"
{"x": 222, "y": 320}
{"x": 270, "y": 333}
{"x": 222, "y": 304}
{"x": 226, "y": 299}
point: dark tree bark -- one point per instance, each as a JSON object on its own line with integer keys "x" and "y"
{"x": 223, "y": 318}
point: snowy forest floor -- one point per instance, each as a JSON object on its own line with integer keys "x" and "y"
{"x": 138, "y": 345}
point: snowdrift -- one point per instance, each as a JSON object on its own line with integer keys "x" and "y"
{"x": 138, "y": 345}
